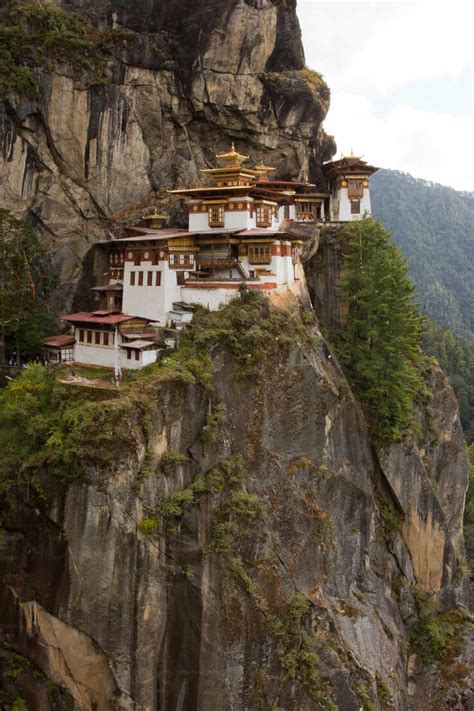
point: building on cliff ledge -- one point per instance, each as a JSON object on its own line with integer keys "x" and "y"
{"x": 238, "y": 234}
{"x": 348, "y": 184}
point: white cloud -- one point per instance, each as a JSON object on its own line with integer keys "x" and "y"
{"x": 378, "y": 46}
{"x": 427, "y": 144}
{"x": 369, "y": 52}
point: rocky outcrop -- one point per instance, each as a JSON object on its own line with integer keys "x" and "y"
{"x": 289, "y": 584}
{"x": 189, "y": 81}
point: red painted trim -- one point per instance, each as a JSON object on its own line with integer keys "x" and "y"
{"x": 207, "y": 285}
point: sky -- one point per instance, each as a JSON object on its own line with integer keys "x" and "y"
{"x": 401, "y": 80}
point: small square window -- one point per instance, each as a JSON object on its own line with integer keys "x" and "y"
{"x": 157, "y": 278}
{"x": 140, "y": 278}
{"x": 149, "y": 279}
{"x": 216, "y": 216}
{"x": 355, "y": 207}
{"x": 132, "y": 278}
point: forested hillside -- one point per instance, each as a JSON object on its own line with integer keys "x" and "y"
{"x": 434, "y": 226}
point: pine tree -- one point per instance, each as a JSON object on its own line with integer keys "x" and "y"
{"x": 379, "y": 345}
{"x": 26, "y": 280}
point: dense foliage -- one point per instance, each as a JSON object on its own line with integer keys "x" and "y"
{"x": 51, "y": 429}
{"x": 26, "y": 282}
{"x": 469, "y": 510}
{"x": 379, "y": 345}
{"x": 433, "y": 225}
{"x": 456, "y": 357}
{"x": 33, "y": 35}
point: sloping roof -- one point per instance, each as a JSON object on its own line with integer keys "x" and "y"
{"x": 59, "y": 341}
{"x": 108, "y": 287}
{"x": 88, "y": 317}
{"x": 255, "y": 232}
{"x": 142, "y": 335}
{"x": 149, "y": 235}
{"x": 139, "y": 345}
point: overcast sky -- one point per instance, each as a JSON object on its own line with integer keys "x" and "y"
{"x": 401, "y": 80}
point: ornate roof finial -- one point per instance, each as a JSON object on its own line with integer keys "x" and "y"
{"x": 231, "y": 159}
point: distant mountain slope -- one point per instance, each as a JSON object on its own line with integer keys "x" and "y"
{"x": 434, "y": 225}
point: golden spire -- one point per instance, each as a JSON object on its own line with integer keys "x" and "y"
{"x": 155, "y": 218}
{"x": 231, "y": 159}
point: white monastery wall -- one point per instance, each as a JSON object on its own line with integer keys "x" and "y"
{"x": 344, "y": 204}
{"x": 97, "y": 355}
{"x": 152, "y": 302}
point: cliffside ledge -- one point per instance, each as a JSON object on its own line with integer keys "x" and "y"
{"x": 225, "y": 536}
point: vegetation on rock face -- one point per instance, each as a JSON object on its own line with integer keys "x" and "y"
{"x": 33, "y": 35}
{"x": 26, "y": 282}
{"x": 51, "y": 429}
{"x": 469, "y": 510}
{"x": 438, "y": 636}
{"x": 433, "y": 225}
{"x": 456, "y": 357}
{"x": 379, "y": 346}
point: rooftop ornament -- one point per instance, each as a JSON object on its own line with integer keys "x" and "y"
{"x": 231, "y": 159}
{"x": 156, "y": 220}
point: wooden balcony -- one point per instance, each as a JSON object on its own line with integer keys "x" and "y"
{"x": 216, "y": 263}
{"x": 260, "y": 259}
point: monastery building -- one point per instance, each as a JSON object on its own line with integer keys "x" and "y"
{"x": 238, "y": 234}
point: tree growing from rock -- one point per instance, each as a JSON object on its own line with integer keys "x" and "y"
{"x": 26, "y": 280}
{"x": 379, "y": 345}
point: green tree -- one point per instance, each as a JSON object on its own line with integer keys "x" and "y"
{"x": 456, "y": 357}
{"x": 379, "y": 345}
{"x": 26, "y": 282}
{"x": 469, "y": 510}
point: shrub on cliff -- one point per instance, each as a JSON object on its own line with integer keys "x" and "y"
{"x": 26, "y": 283}
{"x": 379, "y": 346}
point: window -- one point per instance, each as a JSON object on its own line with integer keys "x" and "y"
{"x": 180, "y": 261}
{"x": 140, "y": 278}
{"x": 81, "y": 335}
{"x": 180, "y": 278}
{"x": 264, "y": 217}
{"x": 106, "y": 339}
{"x": 216, "y": 216}
{"x": 89, "y": 336}
{"x": 137, "y": 355}
{"x": 260, "y": 254}
{"x": 286, "y": 212}
{"x": 355, "y": 207}
{"x": 67, "y": 354}
{"x": 355, "y": 188}
{"x": 129, "y": 354}
{"x": 157, "y": 278}
{"x": 97, "y": 338}
{"x": 149, "y": 279}
{"x": 132, "y": 278}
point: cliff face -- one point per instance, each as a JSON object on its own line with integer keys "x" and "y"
{"x": 282, "y": 569}
{"x": 182, "y": 81}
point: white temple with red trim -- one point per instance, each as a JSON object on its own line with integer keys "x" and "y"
{"x": 238, "y": 234}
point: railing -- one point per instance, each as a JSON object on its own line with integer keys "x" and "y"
{"x": 216, "y": 263}
{"x": 260, "y": 259}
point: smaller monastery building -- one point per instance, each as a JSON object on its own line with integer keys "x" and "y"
{"x": 238, "y": 234}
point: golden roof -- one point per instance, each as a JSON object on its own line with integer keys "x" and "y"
{"x": 264, "y": 168}
{"x": 232, "y": 158}
{"x": 154, "y": 216}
